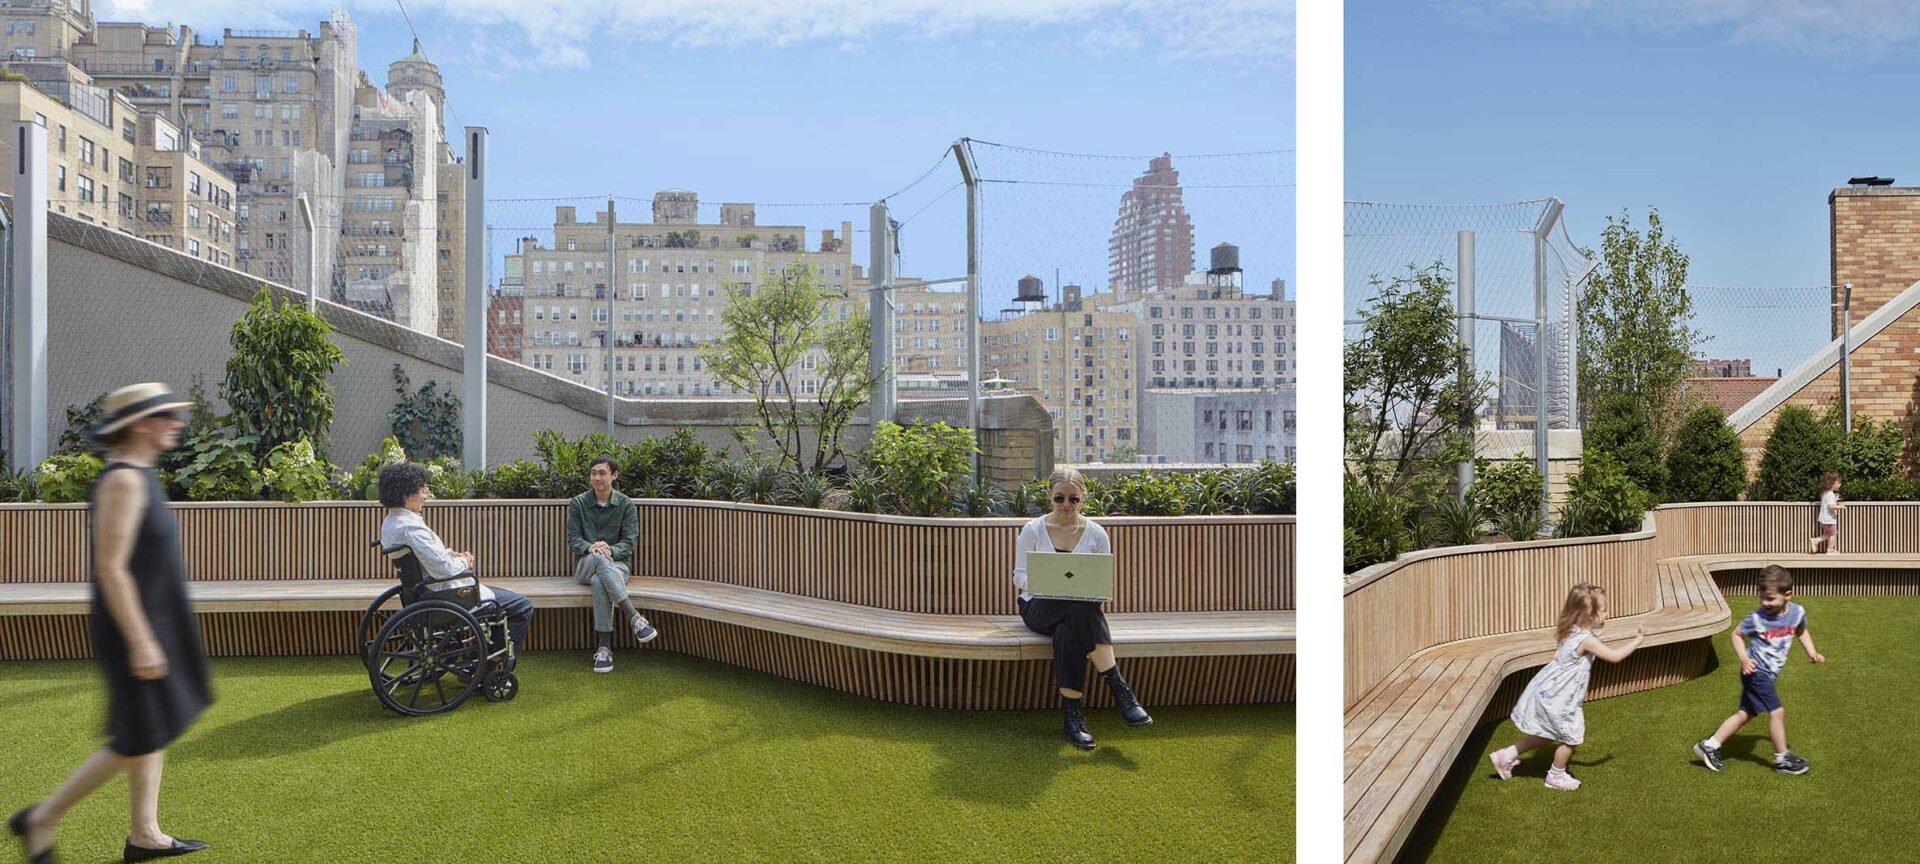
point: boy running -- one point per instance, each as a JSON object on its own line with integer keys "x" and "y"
{"x": 1769, "y": 632}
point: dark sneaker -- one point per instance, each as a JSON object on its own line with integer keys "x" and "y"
{"x": 603, "y": 660}
{"x": 642, "y": 631}
{"x": 1790, "y": 763}
{"x": 1709, "y": 756}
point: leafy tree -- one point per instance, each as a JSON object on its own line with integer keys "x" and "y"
{"x": 1506, "y": 489}
{"x": 1799, "y": 449}
{"x": 918, "y": 468}
{"x": 1706, "y": 462}
{"x": 770, "y": 336}
{"x": 1602, "y": 499}
{"x": 1635, "y": 318}
{"x": 277, "y": 375}
{"x": 1871, "y": 451}
{"x": 1410, "y": 391}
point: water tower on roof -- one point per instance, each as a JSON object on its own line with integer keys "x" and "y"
{"x": 1224, "y": 275}
{"x": 1029, "y": 295}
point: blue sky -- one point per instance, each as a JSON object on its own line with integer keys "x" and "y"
{"x": 1734, "y": 117}
{"x": 843, "y": 101}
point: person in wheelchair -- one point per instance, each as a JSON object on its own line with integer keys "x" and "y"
{"x": 403, "y": 490}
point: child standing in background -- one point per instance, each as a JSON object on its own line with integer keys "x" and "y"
{"x": 1828, "y": 539}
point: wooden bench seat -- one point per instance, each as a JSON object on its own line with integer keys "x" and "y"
{"x": 1402, "y": 737}
{"x": 978, "y": 637}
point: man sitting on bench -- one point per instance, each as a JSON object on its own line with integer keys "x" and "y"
{"x": 602, "y": 527}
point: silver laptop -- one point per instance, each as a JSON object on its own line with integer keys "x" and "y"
{"x": 1070, "y": 575}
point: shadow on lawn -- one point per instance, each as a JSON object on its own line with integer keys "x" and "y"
{"x": 297, "y": 728}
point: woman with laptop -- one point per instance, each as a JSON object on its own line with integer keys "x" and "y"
{"x": 1063, "y": 566}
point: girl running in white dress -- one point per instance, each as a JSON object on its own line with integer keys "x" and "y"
{"x": 1549, "y": 710}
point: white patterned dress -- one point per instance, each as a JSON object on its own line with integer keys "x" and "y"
{"x": 1550, "y": 706}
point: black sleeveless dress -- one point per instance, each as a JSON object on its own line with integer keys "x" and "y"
{"x": 144, "y": 716}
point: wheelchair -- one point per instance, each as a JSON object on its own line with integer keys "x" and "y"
{"x": 439, "y": 646}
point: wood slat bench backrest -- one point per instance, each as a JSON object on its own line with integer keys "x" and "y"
{"x": 945, "y": 566}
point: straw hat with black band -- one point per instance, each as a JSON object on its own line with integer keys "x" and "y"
{"x": 127, "y": 404}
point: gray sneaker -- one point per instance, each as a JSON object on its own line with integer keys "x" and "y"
{"x": 642, "y": 631}
{"x": 1710, "y": 756}
{"x": 603, "y": 660}
{"x": 1790, "y": 763}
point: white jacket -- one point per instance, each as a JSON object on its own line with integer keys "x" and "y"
{"x": 1034, "y": 538}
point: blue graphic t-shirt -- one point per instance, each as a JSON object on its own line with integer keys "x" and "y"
{"x": 1770, "y": 638}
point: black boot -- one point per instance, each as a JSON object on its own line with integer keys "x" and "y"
{"x": 1124, "y": 700}
{"x": 1077, "y": 733}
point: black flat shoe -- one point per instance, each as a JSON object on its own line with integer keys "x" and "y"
{"x": 17, "y": 824}
{"x": 179, "y": 847}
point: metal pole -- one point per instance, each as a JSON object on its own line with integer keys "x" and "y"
{"x": 305, "y": 209}
{"x": 963, "y": 152}
{"x": 606, "y": 337}
{"x": 880, "y": 313}
{"x": 29, "y": 357}
{"x": 1464, "y": 311}
{"x": 1846, "y": 354}
{"x": 1540, "y": 444}
{"x": 473, "y": 411}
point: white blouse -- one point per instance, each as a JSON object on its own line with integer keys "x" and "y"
{"x": 1034, "y": 538}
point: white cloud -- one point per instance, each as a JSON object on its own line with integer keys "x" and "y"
{"x": 1827, "y": 27}
{"x": 559, "y": 33}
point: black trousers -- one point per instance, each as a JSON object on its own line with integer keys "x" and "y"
{"x": 1075, "y": 626}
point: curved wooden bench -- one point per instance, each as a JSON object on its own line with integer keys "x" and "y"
{"x": 981, "y": 637}
{"x": 1402, "y": 738}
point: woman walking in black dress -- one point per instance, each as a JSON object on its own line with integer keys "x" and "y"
{"x": 144, "y": 634}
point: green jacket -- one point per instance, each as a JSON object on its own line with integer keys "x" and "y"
{"x": 617, "y": 523}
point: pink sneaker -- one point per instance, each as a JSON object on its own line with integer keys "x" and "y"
{"x": 1561, "y": 780}
{"x": 1504, "y": 760}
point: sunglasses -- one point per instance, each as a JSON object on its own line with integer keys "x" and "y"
{"x": 1066, "y": 499}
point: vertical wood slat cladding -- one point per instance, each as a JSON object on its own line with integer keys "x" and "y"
{"x": 930, "y": 682}
{"x": 1649, "y": 668}
{"x": 1428, "y": 601}
{"x": 1871, "y": 528}
{"x": 1821, "y": 582}
{"x": 940, "y": 566}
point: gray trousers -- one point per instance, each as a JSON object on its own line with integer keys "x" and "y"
{"x": 609, "y": 580}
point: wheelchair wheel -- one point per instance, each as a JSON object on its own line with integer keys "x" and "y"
{"x": 428, "y": 658}
{"x": 502, "y": 687}
{"x": 371, "y": 622}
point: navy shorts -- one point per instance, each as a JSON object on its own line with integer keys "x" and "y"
{"x": 1757, "y": 695}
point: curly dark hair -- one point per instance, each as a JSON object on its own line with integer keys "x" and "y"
{"x": 399, "y": 482}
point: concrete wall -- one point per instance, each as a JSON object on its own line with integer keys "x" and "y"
{"x": 122, "y": 311}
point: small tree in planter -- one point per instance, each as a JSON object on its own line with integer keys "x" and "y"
{"x": 277, "y": 375}
{"x": 1799, "y": 449}
{"x": 1621, "y": 427}
{"x": 919, "y": 468}
{"x": 1509, "y": 493}
{"x": 427, "y": 420}
{"x": 1707, "y": 462}
{"x": 1601, "y": 499}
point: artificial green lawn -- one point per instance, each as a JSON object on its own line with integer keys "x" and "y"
{"x": 667, "y": 758}
{"x": 1646, "y": 798}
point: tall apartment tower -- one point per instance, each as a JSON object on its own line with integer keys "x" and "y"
{"x": 1152, "y": 244}
{"x": 390, "y": 241}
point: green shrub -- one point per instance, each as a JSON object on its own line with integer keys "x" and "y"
{"x": 425, "y": 421}
{"x": 65, "y": 478}
{"x": 277, "y": 375}
{"x": 78, "y": 436}
{"x": 979, "y": 499}
{"x": 1620, "y": 427}
{"x": 1268, "y": 489}
{"x": 451, "y": 481}
{"x": 724, "y": 481}
{"x": 1028, "y": 499}
{"x": 519, "y": 479}
{"x": 1706, "y": 462}
{"x": 864, "y": 492}
{"x": 15, "y": 486}
{"x": 1872, "y": 451}
{"x": 1207, "y": 493}
{"x": 294, "y": 474}
{"x": 807, "y": 489}
{"x": 1602, "y": 499}
{"x": 1456, "y": 522}
{"x": 219, "y": 468}
{"x": 1799, "y": 449}
{"x": 364, "y": 483}
{"x": 567, "y": 460}
{"x": 1375, "y": 525}
{"x": 1520, "y": 524}
{"x": 683, "y": 460}
{"x": 921, "y": 466}
{"x": 762, "y": 485}
{"x": 1147, "y": 493}
{"x": 1504, "y": 490}
{"x": 1883, "y": 489}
